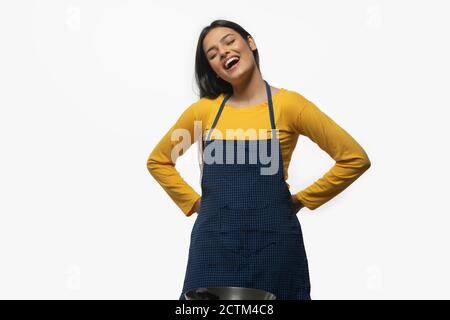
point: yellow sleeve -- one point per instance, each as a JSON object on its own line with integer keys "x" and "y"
{"x": 351, "y": 159}
{"x": 161, "y": 162}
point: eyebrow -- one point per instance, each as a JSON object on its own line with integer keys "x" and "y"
{"x": 228, "y": 34}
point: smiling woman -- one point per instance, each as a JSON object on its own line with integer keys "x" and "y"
{"x": 218, "y": 45}
{"x": 247, "y": 233}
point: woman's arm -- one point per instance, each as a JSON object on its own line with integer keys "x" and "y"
{"x": 161, "y": 162}
{"x": 351, "y": 159}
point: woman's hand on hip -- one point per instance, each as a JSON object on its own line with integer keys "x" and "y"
{"x": 296, "y": 204}
{"x": 197, "y": 205}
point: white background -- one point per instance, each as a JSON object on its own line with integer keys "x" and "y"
{"x": 87, "y": 89}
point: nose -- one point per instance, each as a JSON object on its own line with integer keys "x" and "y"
{"x": 223, "y": 52}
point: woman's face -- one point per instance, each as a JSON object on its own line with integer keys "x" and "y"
{"x": 221, "y": 44}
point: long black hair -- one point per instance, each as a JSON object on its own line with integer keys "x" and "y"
{"x": 210, "y": 86}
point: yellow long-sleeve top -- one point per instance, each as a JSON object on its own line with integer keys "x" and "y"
{"x": 294, "y": 115}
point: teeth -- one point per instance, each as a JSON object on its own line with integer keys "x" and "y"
{"x": 229, "y": 60}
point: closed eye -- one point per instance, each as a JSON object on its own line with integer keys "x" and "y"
{"x": 212, "y": 57}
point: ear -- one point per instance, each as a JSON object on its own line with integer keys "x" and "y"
{"x": 251, "y": 43}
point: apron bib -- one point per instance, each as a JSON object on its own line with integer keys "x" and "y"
{"x": 246, "y": 233}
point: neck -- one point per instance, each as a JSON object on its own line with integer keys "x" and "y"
{"x": 248, "y": 90}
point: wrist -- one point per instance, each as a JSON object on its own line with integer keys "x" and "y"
{"x": 197, "y": 204}
{"x": 298, "y": 202}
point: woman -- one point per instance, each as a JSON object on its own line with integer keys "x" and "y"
{"x": 247, "y": 233}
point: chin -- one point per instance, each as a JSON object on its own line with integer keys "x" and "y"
{"x": 239, "y": 75}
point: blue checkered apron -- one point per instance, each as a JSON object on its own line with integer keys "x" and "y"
{"x": 246, "y": 233}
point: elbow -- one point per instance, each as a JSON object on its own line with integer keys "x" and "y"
{"x": 368, "y": 164}
{"x": 364, "y": 163}
{"x": 359, "y": 162}
{"x": 152, "y": 165}
{"x": 157, "y": 167}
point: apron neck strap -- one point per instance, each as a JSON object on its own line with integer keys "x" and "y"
{"x": 228, "y": 95}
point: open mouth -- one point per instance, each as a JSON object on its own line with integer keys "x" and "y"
{"x": 232, "y": 63}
